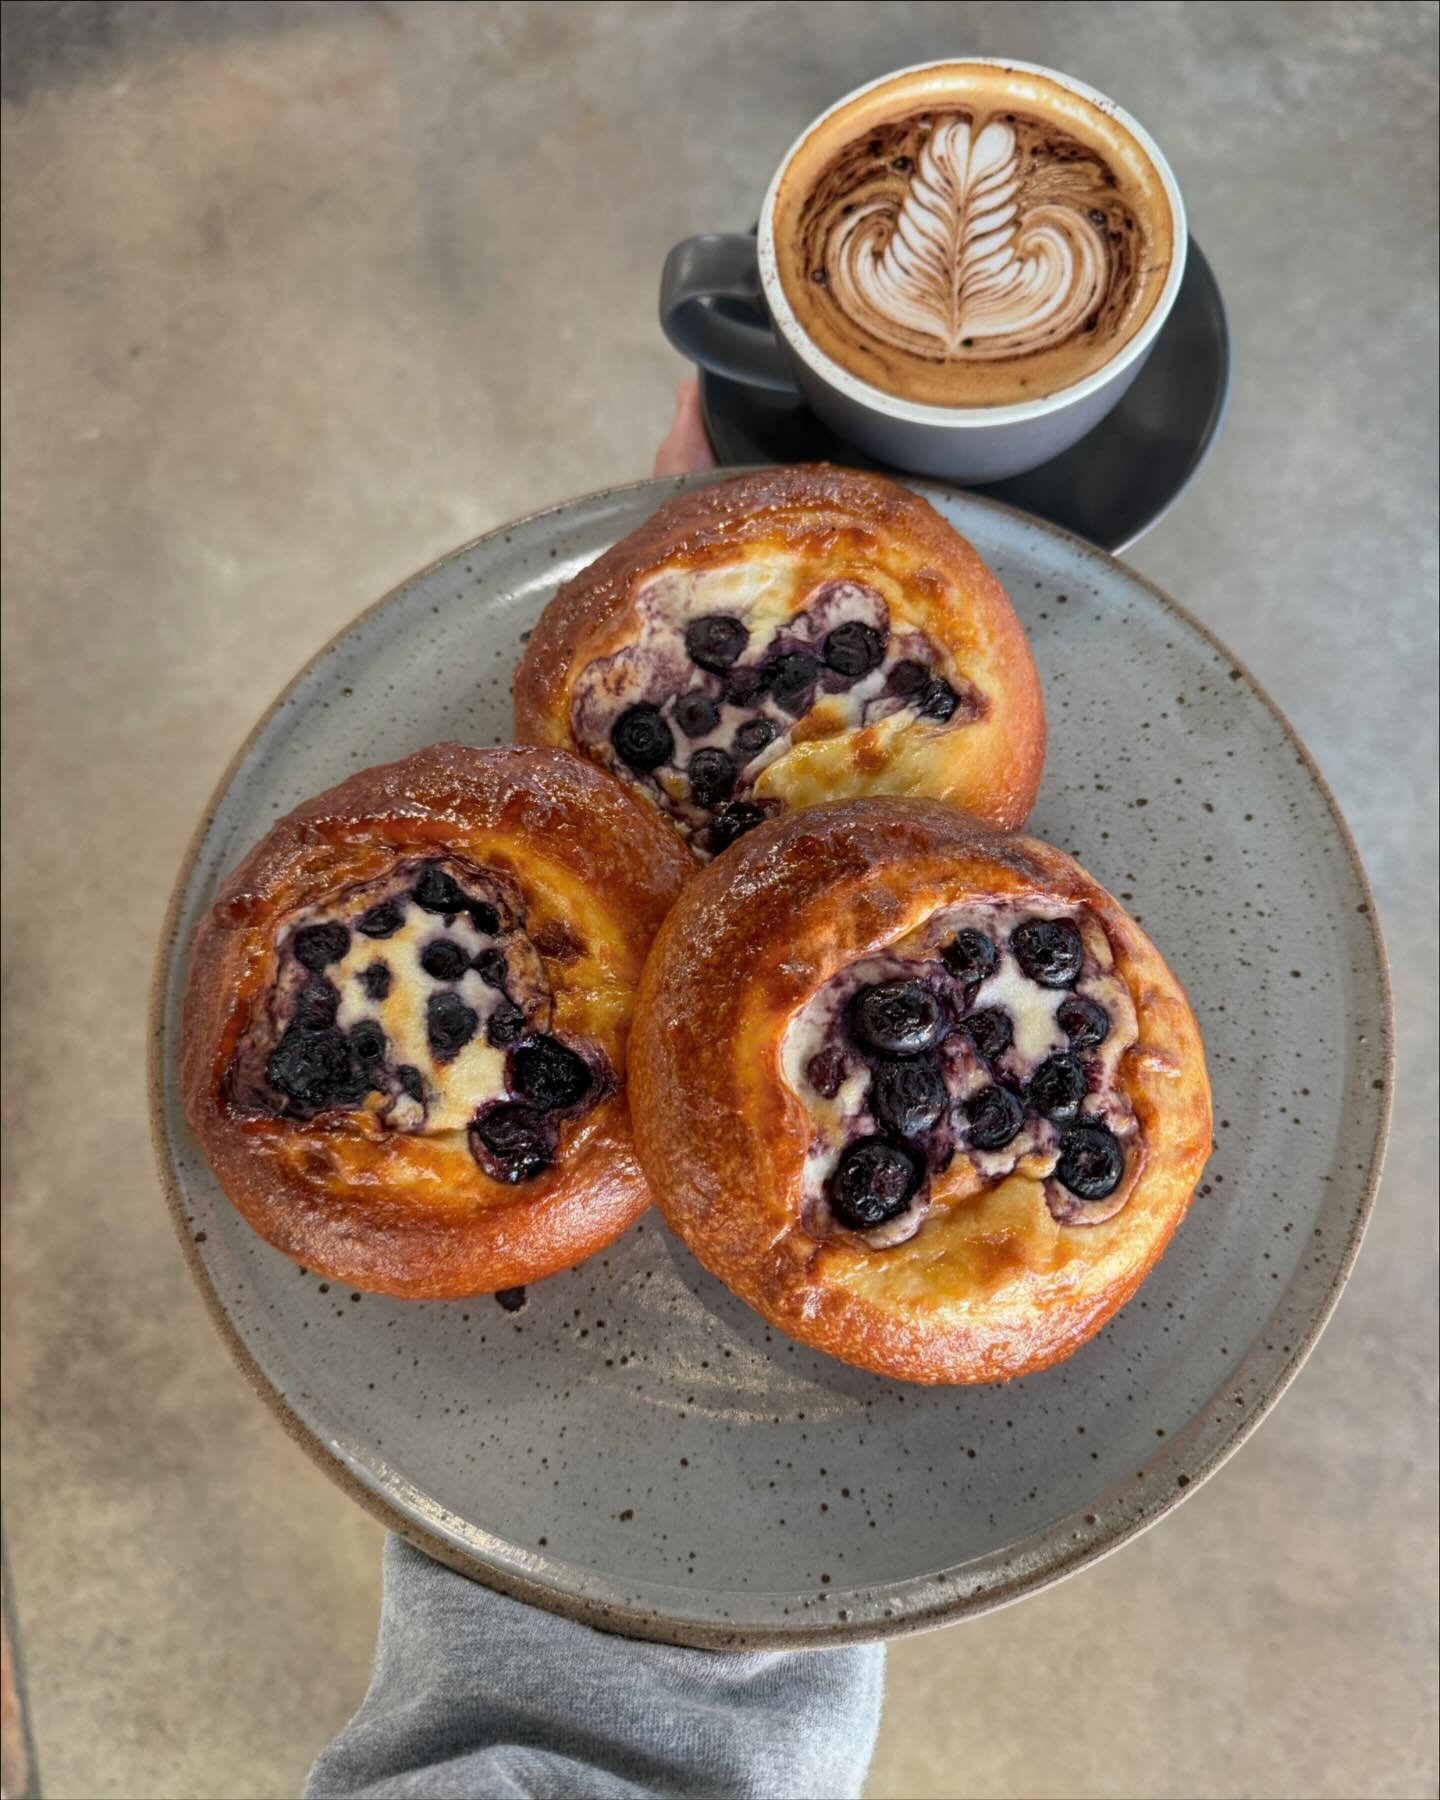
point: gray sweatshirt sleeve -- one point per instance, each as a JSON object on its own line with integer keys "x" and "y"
{"x": 474, "y": 1695}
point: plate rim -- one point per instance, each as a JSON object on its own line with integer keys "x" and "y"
{"x": 649, "y": 1624}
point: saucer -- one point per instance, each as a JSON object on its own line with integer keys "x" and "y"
{"x": 1110, "y": 488}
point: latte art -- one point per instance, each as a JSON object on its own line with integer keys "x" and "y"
{"x": 970, "y": 246}
{"x": 957, "y": 265}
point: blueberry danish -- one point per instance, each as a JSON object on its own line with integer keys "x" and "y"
{"x": 922, "y": 1094}
{"x": 791, "y": 636}
{"x": 406, "y": 1020}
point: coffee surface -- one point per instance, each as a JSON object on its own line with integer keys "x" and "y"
{"x": 972, "y": 249}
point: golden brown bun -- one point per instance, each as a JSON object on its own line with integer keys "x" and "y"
{"x": 992, "y": 1284}
{"x": 584, "y": 874}
{"x": 806, "y": 527}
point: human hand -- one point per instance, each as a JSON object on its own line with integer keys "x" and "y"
{"x": 685, "y": 449}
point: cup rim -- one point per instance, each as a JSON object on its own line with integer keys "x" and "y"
{"x": 960, "y": 418}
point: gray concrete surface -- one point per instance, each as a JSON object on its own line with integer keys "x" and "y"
{"x": 299, "y": 296}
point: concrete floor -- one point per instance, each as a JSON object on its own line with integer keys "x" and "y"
{"x": 300, "y": 296}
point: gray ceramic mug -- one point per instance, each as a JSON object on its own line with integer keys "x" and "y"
{"x": 761, "y": 342}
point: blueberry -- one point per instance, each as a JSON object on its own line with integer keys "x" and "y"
{"x": 444, "y": 960}
{"x": 898, "y": 1018}
{"x": 716, "y": 641}
{"x": 310, "y": 1067}
{"x": 449, "y": 1023}
{"x": 908, "y": 1094}
{"x": 874, "y": 1181}
{"x": 483, "y": 917}
{"x": 971, "y": 957}
{"x": 316, "y": 1004}
{"x": 938, "y": 700}
{"x": 1091, "y": 1162}
{"x": 356, "y": 1085}
{"x": 505, "y": 1026}
{"x": 906, "y": 678}
{"x": 511, "y": 1142}
{"x": 642, "y": 738}
{"x": 316, "y": 946}
{"x": 742, "y": 685}
{"x": 491, "y": 968}
{"x": 382, "y": 921}
{"x": 753, "y": 736}
{"x": 411, "y": 1081}
{"x": 367, "y": 1040}
{"x": 732, "y": 822}
{"x": 990, "y": 1032}
{"x": 853, "y": 649}
{"x": 437, "y": 892}
{"x": 790, "y": 677}
{"x": 550, "y": 1075}
{"x": 1050, "y": 951}
{"x": 825, "y": 1072}
{"x": 1057, "y": 1087}
{"x": 995, "y": 1117}
{"x": 696, "y": 714}
{"x": 712, "y": 777}
{"x": 1083, "y": 1021}
{"x": 376, "y": 980}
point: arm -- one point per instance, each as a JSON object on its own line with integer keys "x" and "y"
{"x": 476, "y": 1695}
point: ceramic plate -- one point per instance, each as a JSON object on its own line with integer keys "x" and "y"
{"x": 634, "y": 1447}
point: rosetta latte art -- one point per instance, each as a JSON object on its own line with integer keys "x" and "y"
{"x": 959, "y": 264}
{"x": 971, "y": 256}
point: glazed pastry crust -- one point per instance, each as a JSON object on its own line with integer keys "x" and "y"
{"x": 990, "y": 1286}
{"x": 411, "y": 1215}
{"x": 829, "y": 523}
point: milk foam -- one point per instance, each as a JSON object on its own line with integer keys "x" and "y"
{"x": 959, "y": 264}
{"x": 972, "y": 235}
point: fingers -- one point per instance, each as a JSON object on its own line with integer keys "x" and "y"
{"x": 685, "y": 449}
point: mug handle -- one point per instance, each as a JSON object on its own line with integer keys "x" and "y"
{"x": 721, "y": 265}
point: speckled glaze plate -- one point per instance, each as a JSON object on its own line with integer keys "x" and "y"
{"x": 634, "y": 1447}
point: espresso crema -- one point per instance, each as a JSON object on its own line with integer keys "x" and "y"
{"x": 972, "y": 236}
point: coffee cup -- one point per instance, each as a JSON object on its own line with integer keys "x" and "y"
{"x": 961, "y": 267}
